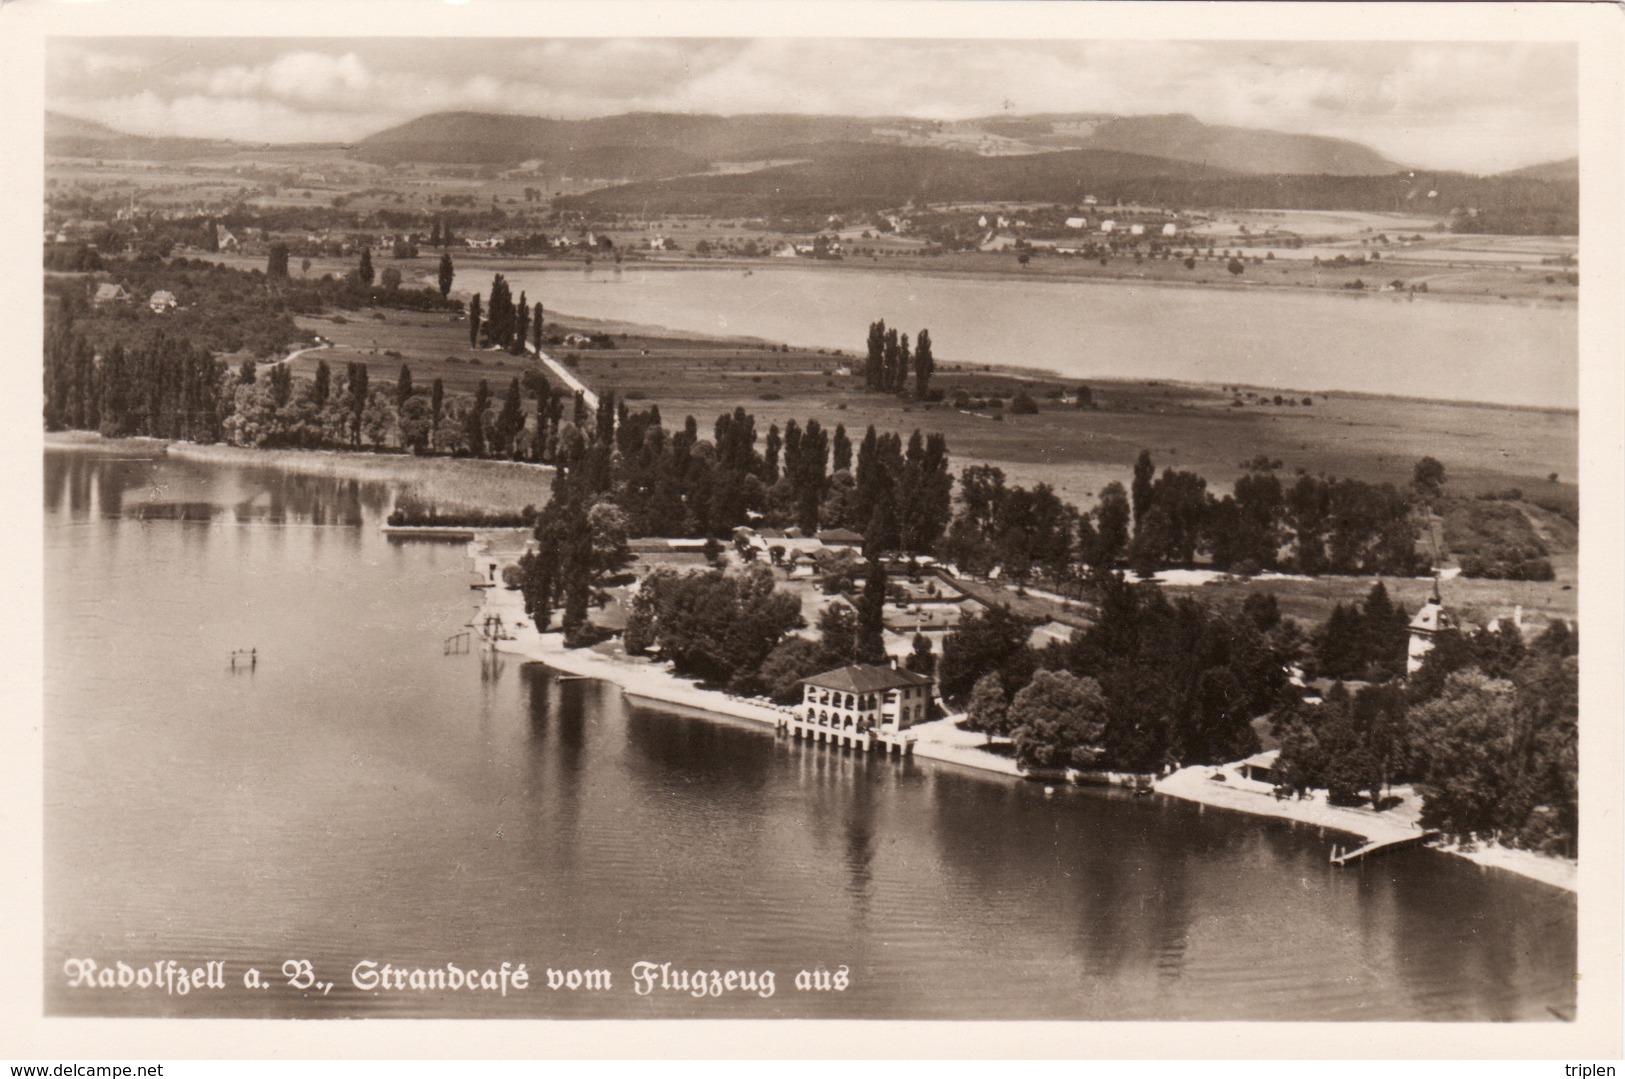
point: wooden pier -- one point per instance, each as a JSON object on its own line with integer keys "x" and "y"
{"x": 1341, "y": 857}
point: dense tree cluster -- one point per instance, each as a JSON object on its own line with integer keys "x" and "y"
{"x": 160, "y": 387}
{"x": 506, "y": 322}
{"x": 223, "y": 309}
{"x": 1487, "y": 731}
{"x": 1317, "y": 525}
{"x": 1020, "y": 530}
{"x": 719, "y": 626}
{"x": 1176, "y": 681}
{"x": 1364, "y": 642}
{"x": 888, "y": 361}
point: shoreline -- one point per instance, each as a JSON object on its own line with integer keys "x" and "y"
{"x": 941, "y": 741}
{"x": 922, "y": 266}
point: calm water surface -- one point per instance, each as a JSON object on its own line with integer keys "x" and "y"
{"x": 361, "y": 796}
{"x": 1507, "y": 353}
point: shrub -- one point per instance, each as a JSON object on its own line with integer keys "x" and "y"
{"x": 1023, "y": 405}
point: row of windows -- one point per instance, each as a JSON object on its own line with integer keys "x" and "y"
{"x": 866, "y": 702}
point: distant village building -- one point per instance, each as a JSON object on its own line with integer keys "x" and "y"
{"x": 1136, "y": 230}
{"x": 162, "y": 302}
{"x": 109, "y": 293}
{"x": 225, "y": 240}
{"x": 862, "y": 698}
{"x": 1090, "y": 200}
{"x": 1077, "y": 222}
{"x": 840, "y": 538}
{"x": 1170, "y": 229}
{"x": 1108, "y": 226}
{"x": 1425, "y": 628}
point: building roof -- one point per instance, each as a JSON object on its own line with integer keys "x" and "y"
{"x": 1265, "y": 759}
{"x": 865, "y": 678}
{"x": 840, "y": 535}
{"x": 1431, "y": 618}
{"x": 111, "y": 292}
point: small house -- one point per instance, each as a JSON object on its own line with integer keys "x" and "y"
{"x": 110, "y": 293}
{"x": 1170, "y": 229}
{"x": 162, "y": 302}
{"x": 1077, "y": 222}
{"x": 1108, "y": 226}
{"x": 1260, "y": 767}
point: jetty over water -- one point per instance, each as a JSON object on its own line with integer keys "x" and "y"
{"x": 1342, "y": 857}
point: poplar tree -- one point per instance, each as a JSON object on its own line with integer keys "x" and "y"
{"x": 924, "y": 364}
{"x": 364, "y": 272}
{"x": 323, "y": 384}
{"x": 447, "y": 270}
{"x": 871, "y": 643}
{"x": 842, "y": 450}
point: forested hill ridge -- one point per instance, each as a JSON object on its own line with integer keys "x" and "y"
{"x": 70, "y": 136}
{"x": 490, "y": 138}
{"x": 879, "y": 177}
{"x": 1567, "y": 169}
{"x": 767, "y": 164}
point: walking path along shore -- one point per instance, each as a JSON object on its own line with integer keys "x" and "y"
{"x": 942, "y": 740}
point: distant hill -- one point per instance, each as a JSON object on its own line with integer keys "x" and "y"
{"x": 1238, "y": 149}
{"x": 644, "y": 144}
{"x": 1567, "y": 169}
{"x": 844, "y": 176}
{"x": 847, "y": 177}
{"x": 493, "y": 139}
{"x": 71, "y": 136}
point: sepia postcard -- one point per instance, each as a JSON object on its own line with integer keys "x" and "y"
{"x": 808, "y": 530}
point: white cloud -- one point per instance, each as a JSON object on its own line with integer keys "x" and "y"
{"x": 1476, "y": 106}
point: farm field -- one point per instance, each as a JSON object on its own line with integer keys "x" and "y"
{"x": 1194, "y": 427}
{"x": 1485, "y": 449}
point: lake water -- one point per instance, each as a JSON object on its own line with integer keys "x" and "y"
{"x": 1507, "y": 353}
{"x": 360, "y": 796}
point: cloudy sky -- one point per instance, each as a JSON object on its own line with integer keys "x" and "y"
{"x": 1478, "y": 107}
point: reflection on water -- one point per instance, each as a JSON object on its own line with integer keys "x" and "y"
{"x": 363, "y": 796}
